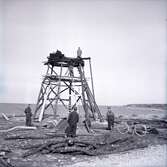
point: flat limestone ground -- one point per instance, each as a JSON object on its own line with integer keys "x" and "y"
{"x": 16, "y": 143}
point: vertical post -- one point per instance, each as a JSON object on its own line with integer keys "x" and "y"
{"x": 91, "y": 78}
{"x": 83, "y": 91}
{"x": 71, "y": 75}
{"x": 43, "y": 105}
{"x": 69, "y": 105}
{"x": 40, "y": 93}
{"x": 58, "y": 91}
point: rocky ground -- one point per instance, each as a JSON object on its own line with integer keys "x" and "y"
{"x": 15, "y": 144}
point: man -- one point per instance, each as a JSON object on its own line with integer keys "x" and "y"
{"x": 28, "y": 115}
{"x": 79, "y": 52}
{"x": 73, "y": 119}
{"x": 110, "y": 118}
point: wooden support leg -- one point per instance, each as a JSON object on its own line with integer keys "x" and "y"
{"x": 58, "y": 93}
{"x": 43, "y": 105}
{"x": 83, "y": 92}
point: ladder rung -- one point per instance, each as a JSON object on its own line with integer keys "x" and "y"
{"x": 65, "y": 99}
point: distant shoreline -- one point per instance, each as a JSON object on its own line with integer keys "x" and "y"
{"x": 157, "y": 105}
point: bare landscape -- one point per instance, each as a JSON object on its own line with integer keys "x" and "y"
{"x": 131, "y": 150}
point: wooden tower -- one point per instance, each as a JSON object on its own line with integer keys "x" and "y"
{"x": 64, "y": 77}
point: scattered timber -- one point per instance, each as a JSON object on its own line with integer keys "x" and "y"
{"x": 19, "y": 128}
{"x": 46, "y": 136}
{"x": 5, "y": 116}
{"x": 77, "y": 146}
{"x": 4, "y": 163}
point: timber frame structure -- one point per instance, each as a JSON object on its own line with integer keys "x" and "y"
{"x": 60, "y": 78}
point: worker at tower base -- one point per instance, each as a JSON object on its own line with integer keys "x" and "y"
{"x": 28, "y": 114}
{"x": 73, "y": 119}
{"x": 110, "y": 118}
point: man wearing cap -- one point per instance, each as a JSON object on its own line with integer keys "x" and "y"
{"x": 73, "y": 119}
{"x": 28, "y": 115}
{"x": 110, "y": 118}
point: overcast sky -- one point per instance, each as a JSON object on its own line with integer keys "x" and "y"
{"x": 126, "y": 40}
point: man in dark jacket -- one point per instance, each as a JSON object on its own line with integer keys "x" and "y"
{"x": 110, "y": 118}
{"x": 73, "y": 119}
{"x": 28, "y": 115}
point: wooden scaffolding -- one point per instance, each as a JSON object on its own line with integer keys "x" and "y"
{"x": 66, "y": 76}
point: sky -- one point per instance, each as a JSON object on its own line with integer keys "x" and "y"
{"x": 126, "y": 40}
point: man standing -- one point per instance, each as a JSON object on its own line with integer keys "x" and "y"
{"x": 110, "y": 118}
{"x": 28, "y": 115}
{"x": 73, "y": 119}
{"x": 79, "y": 52}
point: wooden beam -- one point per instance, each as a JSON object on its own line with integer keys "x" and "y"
{"x": 90, "y": 66}
{"x": 43, "y": 106}
{"x": 58, "y": 92}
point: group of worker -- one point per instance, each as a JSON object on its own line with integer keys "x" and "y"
{"x": 73, "y": 119}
